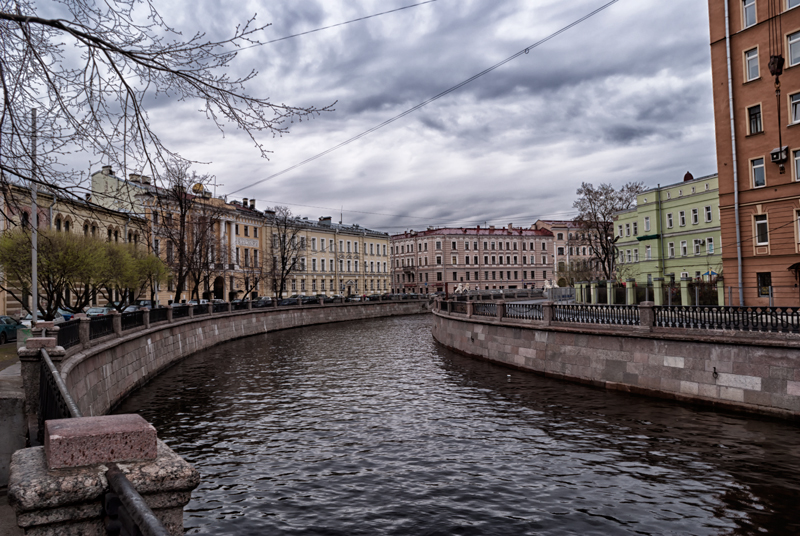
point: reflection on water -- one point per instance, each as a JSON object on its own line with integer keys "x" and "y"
{"x": 371, "y": 428}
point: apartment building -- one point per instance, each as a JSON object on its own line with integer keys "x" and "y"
{"x": 755, "y": 50}
{"x": 672, "y": 232}
{"x": 471, "y": 258}
{"x": 573, "y": 258}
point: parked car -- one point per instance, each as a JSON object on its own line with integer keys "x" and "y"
{"x": 309, "y": 300}
{"x": 66, "y": 314}
{"x": 374, "y": 297}
{"x": 325, "y": 299}
{"x": 26, "y": 321}
{"x": 289, "y": 301}
{"x": 263, "y": 301}
{"x": 91, "y": 312}
{"x": 134, "y": 308}
{"x": 8, "y": 329}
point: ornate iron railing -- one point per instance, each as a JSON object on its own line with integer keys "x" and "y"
{"x": 484, "y": 309}
{"x": 458, "y": 307}
{"x": 132, "y": 320}
{"x": 530, "y": 311}
{"x": 69, "y": 334}
{"x": 757, "y": 319}
{"x": 180, "y": 311}
{"x": 159, "y": 314}
{"x": 622, "y": 315}
{"x": 220, "y": 307}
{"x": 200, "y": 309}
{"x": 100, "y": 326}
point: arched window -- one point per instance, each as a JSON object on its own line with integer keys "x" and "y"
{"x": 66, "y": 226}
{"x": 85, "y": 229}
{"x": 25, "y": 221}
{"x": 58, "y": 224}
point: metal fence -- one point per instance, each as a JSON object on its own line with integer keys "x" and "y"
{"x": 54, "y": 399}
{"x": 159, "y": 314}
{"x": 200, "y": 309}
{"x": 532, "y": 311}
{"x": 458, "y": 307}
{"x": 180, "y": 311}
{"x": 624, "y": 315}
{"x": 484, "y": 309}
{"x": 758, "y": 319}
{"x": 132, "y": 320}
{"x": 239, "y": 306}
{"x": 100, "y": 326}
{"x": 220, "y": 307}
{"x": 69, "y": 334}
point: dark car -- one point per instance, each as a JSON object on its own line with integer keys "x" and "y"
{"x": 289, "y": 301}
{"x": 325, "y": 299}
{"x": 134, "y": 308}
{"x": 91, "y": 312}
{"x": 374, "y": 297}
{"x": 8, "y": 329}
{"x": 309, "y": 300}
{"x": 264, "y": 301}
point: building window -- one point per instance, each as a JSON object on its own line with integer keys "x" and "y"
{"x": 794, "y": 48}
{"x": 757, "y": 170}
{"x": 792, "y": 3}
{"x": 710, "y": 246}
{"x": 794, "y": 107}
{"x": 635, "y": 255}
{"x": 647, "y": 253}
{"x": 627, "y": 229}
{"x": 684, "y": 248}
{"x": 697, "y": 242}
{"x": 754, "y": 115}
{"x": 682, "y": 218}
{"x": 646, "y": 223}
{"x": 764, "y": 281}
{"x": 669, "y": 220}
{"x": 762, "y": 230}
{"x": 671, "y": 249}
{"x": 620, "y": 231}
{"x": 749, "y": 12}
{"x": 695, "y": 216}
{"x": 708, "y": 214}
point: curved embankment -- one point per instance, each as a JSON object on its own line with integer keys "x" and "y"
{"x": 101, "y": 376}
{"x": 753, "y": 372}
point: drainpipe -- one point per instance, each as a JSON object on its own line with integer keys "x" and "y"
{"x": 733, "y": 149}
{"x": 55, "y": 200}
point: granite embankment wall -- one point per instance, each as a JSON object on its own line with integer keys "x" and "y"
{"x": 101, "y": 376}
{"x": 753, "y": 372}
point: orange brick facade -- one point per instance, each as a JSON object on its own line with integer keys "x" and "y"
{"x": 775, "y": 198}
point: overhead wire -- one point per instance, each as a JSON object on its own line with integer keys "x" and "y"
{"x": 458, "y": 86}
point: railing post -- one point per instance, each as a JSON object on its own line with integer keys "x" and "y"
{"x": 146, "y": 318}
{"x": 322, "y": 301}
{"x": 449, "y": 306}
{"x": 84, "y": 331}
{"x": 470, "y": 308}
{"x": 647, "y": 315}
{"x": 169, "y": 313}
{"x": 720, "y": 291}
{"x": 630, "y": 291}
{"x": 686, "y": 298}
{"x": 210, "y": 307}
{"x": 595, "y": 295}
{"x": 190, "y": 310}
{"x": 610, "y": 292}
{"x": 116, "y": 322}
{"x": 501, "y": 310}
{"x": 249, "y": 305}
{"x": 547, "y": 313}
{"x": 658, "y": 291}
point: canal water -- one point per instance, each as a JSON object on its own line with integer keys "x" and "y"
{"x": 371, "y": 428}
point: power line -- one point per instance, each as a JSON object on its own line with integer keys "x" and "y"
{"x": 348, "y": 22}
{"x": 432, "y": 99}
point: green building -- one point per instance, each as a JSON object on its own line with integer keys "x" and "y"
{"x": 673, "y": 232}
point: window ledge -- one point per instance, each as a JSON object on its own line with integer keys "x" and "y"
{"x": 752, "y": 80}
{"x": 755, "y": 134}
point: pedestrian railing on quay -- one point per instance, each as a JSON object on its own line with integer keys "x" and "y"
{"x": 756, "y": 319}
{"x": 221, "y": 307}
{"x": 54, "y": 399}
{"x": 239, "y": 306}
{"x": 531, "y": 311}
{"x": 624, "y": 315}
{"x": 180, "y": 311}
{"x": 132, "y": 320}
{"x": 69, "y": 334}
{"x": 200, "y": 309}
{"x": 159, "y": 314}
{"x": 100, "y": 326}
{"x": 484, "y": 309}
{"x": 459, "y": 307}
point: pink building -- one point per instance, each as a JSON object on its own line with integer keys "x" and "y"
{"x": 475, "y": 258}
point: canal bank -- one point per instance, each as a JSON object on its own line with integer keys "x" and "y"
{"x": 373, "y": 428}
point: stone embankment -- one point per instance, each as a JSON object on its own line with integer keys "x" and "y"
{"x": 753, "y": 371}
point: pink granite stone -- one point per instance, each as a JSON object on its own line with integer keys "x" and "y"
{"x": 93, "y": 440}
{"x": 40, "y": 342}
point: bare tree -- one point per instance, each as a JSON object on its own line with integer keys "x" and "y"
{"x": 94, "y": 101}
{"x": 287, "y": 247}
{"x": 203, "y": 245}
{"x": 596, "y": 208}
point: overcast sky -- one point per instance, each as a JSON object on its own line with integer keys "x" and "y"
{"x": 624, "y": 96}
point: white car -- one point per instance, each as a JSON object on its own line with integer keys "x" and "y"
{"x": 26, "y": 321}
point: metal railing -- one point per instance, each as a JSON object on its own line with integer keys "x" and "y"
{"x": 621, "y": 315}
{"x": 220, "y": 307}
{"x": 180, "y": 311}
{"x": 132, "y": 320}
{"x": 69, "y": 334}
{"x": 458, "y": 307}
{"x": 484, "y": 309}
{"x": 54, "y": 399}
{"x": 756, "y": 319}
{"x": 239, "y": 306}
{"x": 200, "y": 309}
{"x": 532, "y": 311}
{"x": 100, "y": 326}
{"x": 159, "y": 314}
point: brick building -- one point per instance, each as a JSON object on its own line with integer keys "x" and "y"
{"x": 472, "y": 257}
{"x": 759, "y": 192}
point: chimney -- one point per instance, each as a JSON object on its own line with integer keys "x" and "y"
{"x": 325, "y": 221}
{"x": 253, "y": 204}
{"x": 107, "y": 170}
{"x": 688, "y": 177}
{"x": 134, "y": 177}
{"x": 145, "y": 179}
{"x": 510, "y": 226}
{"x": 491, "y": 227}
{"x": 244, "y": 202}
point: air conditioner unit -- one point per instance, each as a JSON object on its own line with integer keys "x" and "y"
{"x": 702, "y": 242}
{"x": 779, "y": 155}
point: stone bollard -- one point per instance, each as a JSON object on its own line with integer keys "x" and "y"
{"x": 30, "y": 361}
{"x": 322, "y": 301}
{"x": 169, "y": 313}
{"x": 210, "y": 307}
{"x": 647, "y": 315}
{"x": 84, "y": 329}
{"x": 470, "y": 307}
{"x": 61, "y": 488}
{"x": 116, "y": 321}
{"x": 547, "y": 313}
{"x": 249, "y": 304}
{"x": 146, "y": 318}
{"x": 501, "y": 310}
{"x": 190, "y": 310}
